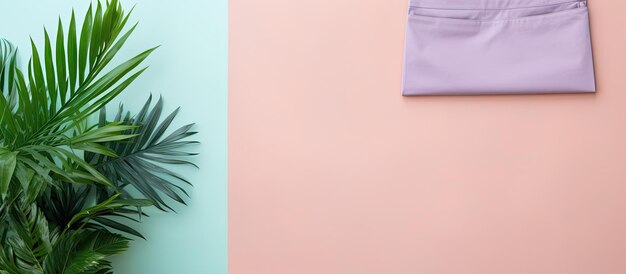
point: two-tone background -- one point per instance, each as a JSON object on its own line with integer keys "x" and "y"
{"x": 331, "y": 171}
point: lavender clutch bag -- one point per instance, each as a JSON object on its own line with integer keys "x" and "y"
{"x": 469, "y": 47}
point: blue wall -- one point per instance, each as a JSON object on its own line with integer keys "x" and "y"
{"x": 189, "y": 70}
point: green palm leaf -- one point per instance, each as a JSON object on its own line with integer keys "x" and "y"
{"x": 99, "y": 216}
{"x": 8, "y": 161}
{"x": 8, "y": 96}
{"x": 8, "y": 55}
{"x": 8, "y": 262}
{"x": 69, "y": 209}
{"x": 84, "y": 252}
{"x": 144, "y": 162}
{"x": 29, "y": 241}
{"x": 42, "y": 110}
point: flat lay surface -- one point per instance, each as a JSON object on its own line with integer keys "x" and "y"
{"x": 333, "y": 171}
{"x": 312, "y": 160}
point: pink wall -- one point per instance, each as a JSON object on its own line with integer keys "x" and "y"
{"x": 333, "y": 172}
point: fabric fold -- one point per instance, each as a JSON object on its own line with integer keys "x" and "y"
{"x": 456, "y": 47}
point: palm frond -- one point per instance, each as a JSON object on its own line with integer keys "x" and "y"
{"x": 65, "y": 83}
{"x": 29, "y": 241}
{"x": 103, "y": 214}
{"x": 8, "y": 56}
{"x": 61, "y": 204}
{"x": 8, "y": 162}
{"x": 8, "y": 262}
{"x": 144, "y": 162}
{"x": 84, "y": 252}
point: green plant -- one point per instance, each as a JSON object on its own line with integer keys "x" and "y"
{"x": 70, "y": 179}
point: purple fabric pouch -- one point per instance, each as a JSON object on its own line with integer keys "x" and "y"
{"x": 471, "y": 47}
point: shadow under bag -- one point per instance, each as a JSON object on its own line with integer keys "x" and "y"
{"x": 472, "y": 47}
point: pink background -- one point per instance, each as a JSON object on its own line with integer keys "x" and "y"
{"x": 332, "y": 171}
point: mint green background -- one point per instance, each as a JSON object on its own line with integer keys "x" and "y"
{"x": 189, "y": 70}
